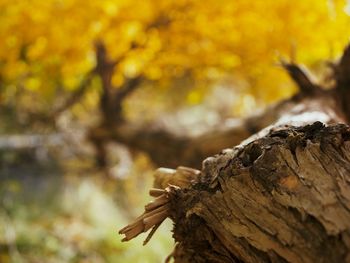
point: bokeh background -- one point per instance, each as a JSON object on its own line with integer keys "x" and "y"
{"x": 194, "y": 63}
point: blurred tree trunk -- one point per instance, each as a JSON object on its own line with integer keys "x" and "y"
{"x": 282, "y": 195}
{"x": 166, "y": 148}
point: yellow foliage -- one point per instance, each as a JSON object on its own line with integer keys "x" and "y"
{"x": 207, "y": 39}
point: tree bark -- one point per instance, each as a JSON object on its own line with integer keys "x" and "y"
{"x": 282, "y": 198}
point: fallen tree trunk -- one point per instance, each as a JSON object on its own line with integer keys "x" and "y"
{"x": 282, "y": 198}
{"x": 282, "y": 195}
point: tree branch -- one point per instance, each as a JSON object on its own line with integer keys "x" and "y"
{"x": 299, "y": 76}
{"x": 342, "y": 77}
{"x": 342, "y": 70}
{"x": 77, "y": 95}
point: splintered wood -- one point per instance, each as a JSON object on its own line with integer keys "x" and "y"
{"x": 155, "y": 213}
{"x": 158, "y": 210}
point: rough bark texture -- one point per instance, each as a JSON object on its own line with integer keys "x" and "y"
{"x": 282, "y": 198}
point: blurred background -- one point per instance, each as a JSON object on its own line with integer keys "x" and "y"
{"x": 82, "y": 83}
